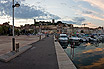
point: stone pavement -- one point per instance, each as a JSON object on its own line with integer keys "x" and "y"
{"x": 41, "y": 56}
{"x": 64, "y": 62}
{"x": 6, "y": 42}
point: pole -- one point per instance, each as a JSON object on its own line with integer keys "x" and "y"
{"x": 45, "y": 30}
{"x": 34, "y": 26}
{"x": 40, "y": 31}
{"x": 13, "y": 38}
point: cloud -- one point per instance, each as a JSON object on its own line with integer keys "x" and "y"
{"x": 93, "y": 16}
{"x": 38, "y": 2}
{"x": 3, "y": 1}
{"x": 79, "y": 20}
{"x": 71, "y": 22}
{"x": 63, "y": 3}
{"x": 76, "y": 20}
{"x": 90, "y": 12}
{"x": 87, "y": 12}
{"x": 84, "y": 10}
{"x": 95, "y": 3}
{"x": 24, "y": 11}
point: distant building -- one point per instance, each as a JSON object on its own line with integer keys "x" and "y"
{"x": 6, "y": 24}
{"x": 53, "y": 20}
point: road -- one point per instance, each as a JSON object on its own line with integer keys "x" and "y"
{"x": 41, "y": 56}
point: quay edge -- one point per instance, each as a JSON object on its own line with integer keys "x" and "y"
{"x": 64, "y": 62}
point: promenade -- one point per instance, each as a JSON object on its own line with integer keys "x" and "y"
{"x": 44, "y": 54}
{"x": 23, "y": 40}
{"x": 41, "y": 56}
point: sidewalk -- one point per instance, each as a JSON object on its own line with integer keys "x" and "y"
{"x": 6, "y": 42}
{"x": 41, "y": 56}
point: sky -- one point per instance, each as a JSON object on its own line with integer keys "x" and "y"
{"x": 77, "y": 12}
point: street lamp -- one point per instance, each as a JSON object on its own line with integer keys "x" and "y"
{"x": 40, "y": 30}
{"x": 34, "y": 26}
{"x": 84, "y": 26}
{"x": 13, "y": 38}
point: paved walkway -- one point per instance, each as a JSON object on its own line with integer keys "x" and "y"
{"x": 6, "y": 42}
{"x": 41, "y": 56}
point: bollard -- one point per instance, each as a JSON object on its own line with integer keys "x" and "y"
{"x": 39, "y": 37}
{"x": 17, "y": 47}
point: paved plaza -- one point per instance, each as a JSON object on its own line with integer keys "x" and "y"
{"x": 23, "y": 40}
{"x": 41, "y": 56}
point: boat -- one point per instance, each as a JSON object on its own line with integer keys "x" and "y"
{"x": 74, "y": 41}
{"x": 63, "y": 40}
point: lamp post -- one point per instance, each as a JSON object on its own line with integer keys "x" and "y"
{"x": 13, "y": 38}
{"x": 45, "y": 30}
{"x": 34, "y": 26}
{"x": 84, "y": 26}
{"x": 40, "y": 30}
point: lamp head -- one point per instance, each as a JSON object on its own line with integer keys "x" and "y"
{"x": 17, "y": 4}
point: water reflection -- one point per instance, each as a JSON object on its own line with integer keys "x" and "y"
{"x": 72, "y": 52}
{"x": 88, "y": 55}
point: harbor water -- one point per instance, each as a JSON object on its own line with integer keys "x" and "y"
{"x": 88, "y": 55}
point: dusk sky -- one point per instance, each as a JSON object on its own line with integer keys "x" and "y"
{"x": 77, "y": 12}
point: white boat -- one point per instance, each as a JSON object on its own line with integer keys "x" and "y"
{"x": 74, "y": 41}
{"x": 74, "y": 38}
{"x": 63, "y": 40}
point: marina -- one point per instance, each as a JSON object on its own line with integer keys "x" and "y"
{"x": 86, "y": 54}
